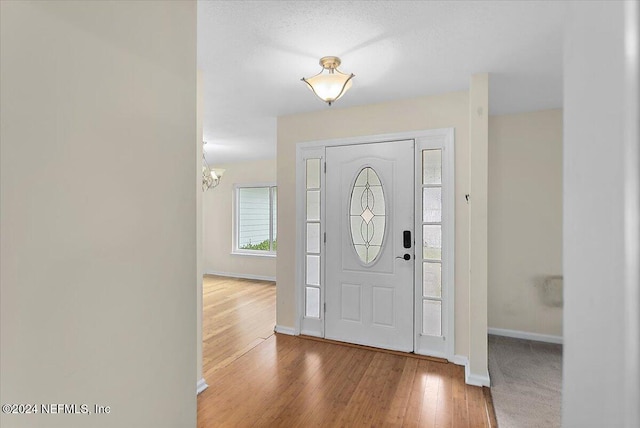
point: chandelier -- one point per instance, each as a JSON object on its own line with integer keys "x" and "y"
{"x": 210, "y": 177}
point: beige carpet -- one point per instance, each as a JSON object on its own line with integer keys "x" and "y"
{"x": 526, "y": 382}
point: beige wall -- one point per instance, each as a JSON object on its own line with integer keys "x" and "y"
{"x": 440, "y": 111}
{"x": 98, "y": 204}
{"x": 601, "y": 352}
{"x": 199, "y": 230}
{"x": 218, "y": 222}
{"x": 478, "y": 373}
{"x": 525, "y": 219}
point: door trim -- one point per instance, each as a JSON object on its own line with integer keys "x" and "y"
{"x": 316, "y": 150}
{"x": 426, "y": 345}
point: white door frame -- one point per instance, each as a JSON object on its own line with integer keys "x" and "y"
{"x": 434, "y": 138}
{"x": 431, "y": 345}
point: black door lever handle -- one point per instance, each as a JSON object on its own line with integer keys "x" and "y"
{"x": 407, "y": 256}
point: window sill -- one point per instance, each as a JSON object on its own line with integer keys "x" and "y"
{"x": 254, "y": 253}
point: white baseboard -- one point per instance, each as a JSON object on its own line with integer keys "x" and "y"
{"x": 460, "y": 360}
{"x": 476, "y": 379}
{"x": 285, "y": 330}
{"x": 201, "y": 386}
{"x": 241, "y": 275}
{"x": 525, "y": 335}
{"x": 470, "y": 379}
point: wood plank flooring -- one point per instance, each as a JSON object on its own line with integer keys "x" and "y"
{"x": 260, "y": 379}
{"x": 238, "y": 315}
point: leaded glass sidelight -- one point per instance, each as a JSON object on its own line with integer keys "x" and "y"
{"x": 367, "y": 215}
{"x": 313, "y": 268}
{"x": 432, "y": 242}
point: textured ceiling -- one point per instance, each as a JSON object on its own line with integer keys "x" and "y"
{"x": 253, "y": 54}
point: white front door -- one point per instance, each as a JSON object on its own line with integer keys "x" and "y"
{"x": 370, "y": 244}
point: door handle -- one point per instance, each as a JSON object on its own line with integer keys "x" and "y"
{"x": 407, "y": 256}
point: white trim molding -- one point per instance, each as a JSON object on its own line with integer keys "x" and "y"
{"x": 285, "y": 330}
{"x": 525, "y": 335}
{"x": 475, "y": 380}
{"x": 201, "y": 386}
{"x": 236, "y": 219}
{"x": 254, "y": 254}
{"x": 436, "y": 138}
{"x": 460, "y": 360}
{"x": 241, "y": 275}
{"x": 312, "y": 326}
{"x": 443, "y": 345}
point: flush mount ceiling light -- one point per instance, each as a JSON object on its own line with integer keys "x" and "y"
{"x": 331, "y": 85}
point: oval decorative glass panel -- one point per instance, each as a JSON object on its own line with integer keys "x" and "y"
{"x": 367, "y": 215}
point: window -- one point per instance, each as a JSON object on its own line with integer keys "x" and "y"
{"x": 313, "y": 238}
{"x": 432, "y": 242}
{"x": 366, "y": 211}
{"x": 255, "y": 221}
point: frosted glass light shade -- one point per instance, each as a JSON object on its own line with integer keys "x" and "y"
{"x": 330, "y": 84}
{"x": 329, "y": 87}
{"x": 210, "y": 177}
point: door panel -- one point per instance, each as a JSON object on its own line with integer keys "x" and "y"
{"x": 369, "y": 284}
{"x": 350, "y": 296}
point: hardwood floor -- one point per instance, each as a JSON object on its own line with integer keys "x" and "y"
{"x": 238, "y": 315}
{"x": 260, "y": 379}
